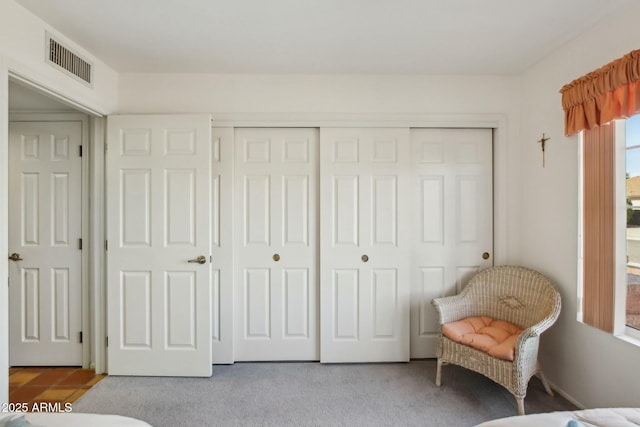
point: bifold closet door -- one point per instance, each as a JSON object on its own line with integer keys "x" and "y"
{"x": 276, "y": 288}
{"x": 365, "y": 244}
{"x": 452, "y": 236}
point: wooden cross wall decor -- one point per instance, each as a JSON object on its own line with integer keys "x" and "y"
{"x": 542, "y": 142}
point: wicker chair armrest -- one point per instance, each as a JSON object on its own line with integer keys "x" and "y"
{"x": 527, "y": 334}
{"x": 526, "y": 358}
{"x": 545, "y": 323}
{"x": 536, "y": 330}
{"x": 451, "y": 308}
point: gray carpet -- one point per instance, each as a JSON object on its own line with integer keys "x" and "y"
{"x": 311, "y": 394}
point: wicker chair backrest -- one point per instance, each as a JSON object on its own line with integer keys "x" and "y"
{"x": 515, "y": 294}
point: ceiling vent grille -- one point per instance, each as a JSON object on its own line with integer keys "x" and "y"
{"x": 67, "y": 61}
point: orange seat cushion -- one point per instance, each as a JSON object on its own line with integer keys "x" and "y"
{"x": 495, "y": 337}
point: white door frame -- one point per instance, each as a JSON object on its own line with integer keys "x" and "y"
{"x": 4, "y": 231}
{"x": 96, "y": 264}
{"x": 96, "y": 244}
{"x": 94, "y": 321}
{"x": 86, "y": 149}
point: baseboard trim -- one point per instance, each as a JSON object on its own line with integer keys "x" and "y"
{"x": 566, "y": 395}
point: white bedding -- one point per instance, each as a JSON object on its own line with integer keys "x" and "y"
{"x": 69, "y": 420}
{"x": 609, "y": 417}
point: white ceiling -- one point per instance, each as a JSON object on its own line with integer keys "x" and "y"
{"x": 322, "y": 36}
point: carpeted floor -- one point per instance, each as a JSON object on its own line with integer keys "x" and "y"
{"x": 311, "y": 394}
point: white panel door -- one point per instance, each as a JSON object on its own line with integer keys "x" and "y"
{"x": 276, "y": 244}
{"x": 364, "y": 245}
{"x": 453, "y": 221}
{"x": 45, "y": 225}
{"x": 158, "y": 224}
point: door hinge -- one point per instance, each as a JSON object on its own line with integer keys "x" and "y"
{"x": 210, "y": 259}
{"x": 80, "y": 150}
{"x": 106, "y": 341}
{"x": 80, "y": 243}
{"x": 106, "y": 245}
{"x": 80, "y": 337}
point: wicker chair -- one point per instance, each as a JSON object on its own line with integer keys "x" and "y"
{"x": 517, "y": 295}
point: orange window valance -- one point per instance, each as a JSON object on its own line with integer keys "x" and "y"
{"x": 609, "y": 93}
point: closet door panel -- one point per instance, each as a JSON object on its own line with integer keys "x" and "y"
{"x": 364, "y": 244}
{"x": 453, "y": 219}
{"x": 276, "y": 288}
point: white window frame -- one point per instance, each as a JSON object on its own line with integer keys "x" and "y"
{"x": 580, "y": 290}
{"x": 620, "y": 329}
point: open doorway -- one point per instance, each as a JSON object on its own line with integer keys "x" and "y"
{"x": 47, "y": 231}
{"x": 49, "y": 241}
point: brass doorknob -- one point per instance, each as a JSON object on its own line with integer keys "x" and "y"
{"x": 15, "y": 257}
{"x": 364, "y": 258}
{"x": 276, "y": 257}
{"x": 485, "y": 255}
{"x": 200, "y": 260}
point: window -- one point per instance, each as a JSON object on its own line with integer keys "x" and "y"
{"x": 632, "y": 230}
{"x": 610, "y": 228}
{"x": 609, "y": 260}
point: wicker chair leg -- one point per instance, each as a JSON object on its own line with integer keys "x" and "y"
{"x": 520, "y": 401}
{"x": 544, "y": 381}
{"x": 439, "y": 372}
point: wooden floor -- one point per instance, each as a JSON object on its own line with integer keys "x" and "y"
{"x": 29, "y": 386}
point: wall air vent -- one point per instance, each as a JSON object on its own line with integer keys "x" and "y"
{"x": 67, "y": 61}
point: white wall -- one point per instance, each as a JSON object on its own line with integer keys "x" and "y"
{"x": 594, "y": 368}
{"x": 211, "y": 93}
{"x": 22, "y": 44}
{"x": 22, "y": 53}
